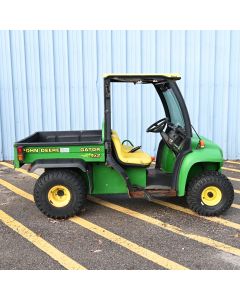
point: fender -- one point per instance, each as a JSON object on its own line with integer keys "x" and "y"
{"x": 210, "y": 157}
{"x": 58, "y": 163}
{"x": 64, "y": 163}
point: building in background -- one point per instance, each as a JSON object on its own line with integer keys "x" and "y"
{"x": 52, "y": 80}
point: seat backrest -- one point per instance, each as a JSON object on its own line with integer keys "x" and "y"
{"x": 124, "y": 157}
{"x": 116, "y": 142}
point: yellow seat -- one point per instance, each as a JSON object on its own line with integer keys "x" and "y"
{"x": 135, "y": 158}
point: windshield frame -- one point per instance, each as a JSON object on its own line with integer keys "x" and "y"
{"x": 179, "y": 98}
{"x": 175, "y": 112}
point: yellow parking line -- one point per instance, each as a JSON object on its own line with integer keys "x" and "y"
{"x": 232, "y": 170}
{"x": 234, "y": 179}
{"x": 236, "y": 206}
{"x": 40, "y": 243}
{"x": 201, "y": 239}
{"x": 19, "y": 170}
{"x": 232, "y": 162}
{"x": 148, "y": 254}
{"x": 192, "y": 213}
{"x": 16, "y": 190}
{"x": 176, "y": 207}
{"x": 170, "y": 205}
{"x": 36, "y": 176}
{"x": 166, "y": 204}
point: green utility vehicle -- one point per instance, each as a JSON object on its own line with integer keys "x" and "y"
{"x": 90, "y": 162}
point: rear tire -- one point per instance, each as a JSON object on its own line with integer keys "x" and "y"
{"x": 60, "y": 193}
{"x": 210, "y": 194}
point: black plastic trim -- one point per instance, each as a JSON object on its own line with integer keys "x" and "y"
{"x": 145, "y": 78}
{"x": 177, "y": 168}
{"x": 58, "y": 163}
{"x": 159, "y": 154}
{"x": 111, "y": 162}
{"x": 62, "y": 138}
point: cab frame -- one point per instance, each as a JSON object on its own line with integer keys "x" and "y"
{"x": 156, "y": 80}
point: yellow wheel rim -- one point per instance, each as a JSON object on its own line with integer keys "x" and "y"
{"x": 211, "y": 195}
{"x": 59, "y": 196}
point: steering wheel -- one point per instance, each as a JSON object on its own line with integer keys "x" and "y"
{"x": 158, "y": 126}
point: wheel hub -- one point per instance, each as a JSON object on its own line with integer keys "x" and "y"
{"x": 59, "y": 196}
{"x": 211, "y": 195}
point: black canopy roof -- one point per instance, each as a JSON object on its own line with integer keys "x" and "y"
{"x": 141, "y": 78}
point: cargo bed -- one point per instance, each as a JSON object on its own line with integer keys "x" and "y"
{"x": 56, "y": 138}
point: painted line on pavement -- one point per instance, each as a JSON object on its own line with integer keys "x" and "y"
{"x": 230, "y": 169}
{"x": 234, "y": 179}
{"x": 174, "y": 229}
{"x": 232, "y": 162}
{"x": 40, "y": 243}
{"x": 163, "y": 203}
{"x": 33, "y": 175}
{"x": 19, "y": 170}
{"x": 141, "y": 251}
{"x": 236, "y": 205}
{"x": 170, "y": 205}
{"x": 192, "y": 213}
{"x": 133, "y": 247}
{"x": 16, "y": 190}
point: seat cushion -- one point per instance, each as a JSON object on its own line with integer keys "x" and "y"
{"x": 136, "y": 158}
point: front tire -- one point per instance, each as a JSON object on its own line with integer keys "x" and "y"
{"x": 59, "y": 193}
{"x": 210, "y": 194}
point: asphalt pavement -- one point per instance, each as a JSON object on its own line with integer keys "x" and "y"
{"x": 114, "y": 232}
